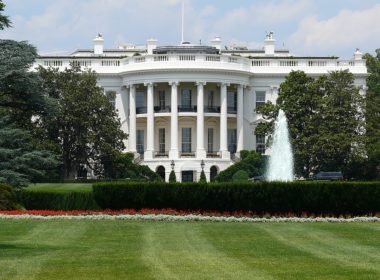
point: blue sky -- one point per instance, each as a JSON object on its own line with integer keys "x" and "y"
{"x": 306, "y": 27}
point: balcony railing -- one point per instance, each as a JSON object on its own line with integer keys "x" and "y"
{"x": 141, "y": 110}
{"x": 162, "y": 109}
{"x": 187, "y": 154}
{"x": 212, "y": 109}
{"x": 182, "y": 108}
{"x": 231, "y": 110}
{"x": 161, "y": 154}
{"x": 212, "y": 154}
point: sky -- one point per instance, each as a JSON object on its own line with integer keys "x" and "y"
{"x": 305, "y": 27}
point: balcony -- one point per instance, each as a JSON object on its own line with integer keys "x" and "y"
{"x": 187, "y": 154}
{"x": 212, "y": 154}
{"x": 162, "y": 109}
{"x": 162, "y": 154}
{"x": 187, "y": 108}
{"x": 212, "y": 109}
{"x": 141, "y": 110}
{"x": 231, "y": 110}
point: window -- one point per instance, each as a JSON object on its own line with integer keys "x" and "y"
{"x": 232, "y": 100}
{"x": 260, "y": 98}
{"x": 231, "y": 140}
{"x": 161, "y": 99}
{"x": 111, "y": 96}
{"x": 210, "y": 140}
{"x": 210, "y": 98}
{"x": 186, "y": 140}
{"x": 186, "y": 98}
{"x": 140, "y": 99}
{"x": 161, "y": 140}
{"x": 260, "y": 144}
{"x": 140, "y": 141}
{"x": 187, "y": 176}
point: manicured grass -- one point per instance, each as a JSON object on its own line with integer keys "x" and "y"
{"x": 61, "y": 187}
{"x": 117, "y": 249}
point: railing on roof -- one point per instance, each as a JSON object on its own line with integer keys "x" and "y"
{"x": 200, "y": 60}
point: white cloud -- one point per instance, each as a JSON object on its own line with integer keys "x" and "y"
{"x": 267, "y": 13}
{"x": 346, "y": 29}
{"x": 207, "y": 11}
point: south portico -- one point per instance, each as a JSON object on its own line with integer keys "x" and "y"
{"x": 185, "y": 122}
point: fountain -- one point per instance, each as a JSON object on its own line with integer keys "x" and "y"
{"x": 280, "y": 167}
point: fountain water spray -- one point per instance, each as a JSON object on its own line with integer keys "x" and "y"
{"x": 280, "y": 166}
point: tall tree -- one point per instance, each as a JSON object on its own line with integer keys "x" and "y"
{"x": 20, "y": 162}
{"x": 325, "y": 121}
{"x": 373, "y": 115}
{"x": 4, "y": 20}
{"x": 86, "y": 130}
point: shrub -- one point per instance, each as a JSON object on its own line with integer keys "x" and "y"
{"x": 7, "y": 197}
{"x": 43, "y": 200}
{"x": 202, "y": 178}
{"x": 240, "y": 175}
{"x": 261, "y": 197}
{"x": 251, "y": 162}
{"x": 172, "y": 177}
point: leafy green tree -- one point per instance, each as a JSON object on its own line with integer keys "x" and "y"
{"x": 4, "y": 20}
{"x": 372, "y": 115}
{"x": 251, "y": 162}
{"x": 86, "y": 129}
{"x": 325, "y": 120}
{"x": 240, "y": 175}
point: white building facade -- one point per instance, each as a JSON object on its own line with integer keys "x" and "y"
{"x": 190, "y": 108}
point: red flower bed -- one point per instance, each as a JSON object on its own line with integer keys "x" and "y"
{"x": 159, "y": 211}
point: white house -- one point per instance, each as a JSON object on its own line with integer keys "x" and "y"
{"x": 189, "y": 107}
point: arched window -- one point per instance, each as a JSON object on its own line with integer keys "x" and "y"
{"x": 161, "y": 172}
{"x": 213, "y": 173}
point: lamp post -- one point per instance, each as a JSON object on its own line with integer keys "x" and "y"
{"x": 172, "y": 164}
{"x": 202, "y": 164}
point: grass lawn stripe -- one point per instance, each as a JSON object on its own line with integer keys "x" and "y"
{"x": 117, "y": 249}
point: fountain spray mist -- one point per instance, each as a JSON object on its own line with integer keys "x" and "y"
{"x": 280, "y": 167}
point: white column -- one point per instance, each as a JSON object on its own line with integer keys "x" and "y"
{"x": 173, "y": 153}
{"x": 240, "y": 114}
{"x": 223, "y": 122}
{"x": 150, "y": 123}
{"x": 132, "y": 119}
{"x": 201, "y": 152}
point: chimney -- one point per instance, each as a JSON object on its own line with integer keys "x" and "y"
{"x": 217, "y": 43}
{"x": 98, "y": 45}
{"x": 151, "y": 44}
{"x": 358, "y": 55}
{"x": 269, "y": 43}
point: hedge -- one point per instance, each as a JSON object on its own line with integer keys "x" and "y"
{"x": 40, "y": 200}
{"x": 7, "y": 197}
{"x": 352, "y": 198}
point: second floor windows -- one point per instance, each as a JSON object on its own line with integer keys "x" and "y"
{"x": 232, "y": 102}
{"x": 161, "y": 99}
{"x": 186, "y": 140}
{"x": 186, "y": 98}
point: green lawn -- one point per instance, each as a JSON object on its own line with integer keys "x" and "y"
{"x": 61, "y": 187}
{"x": 106, "y": 249}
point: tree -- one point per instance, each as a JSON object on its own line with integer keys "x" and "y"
{"x": 4, "y": 20}
{"x": 372, "y": 115}
{"x": 86, "y": 130}
{"x": 251, "y": 162}
{"x": 21, "y": 94}
{"x": 202, "y": 178}
{"x": 325, "y": 120}
{"x": 20, "y": 162}
{"x": 172, "y": 177}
